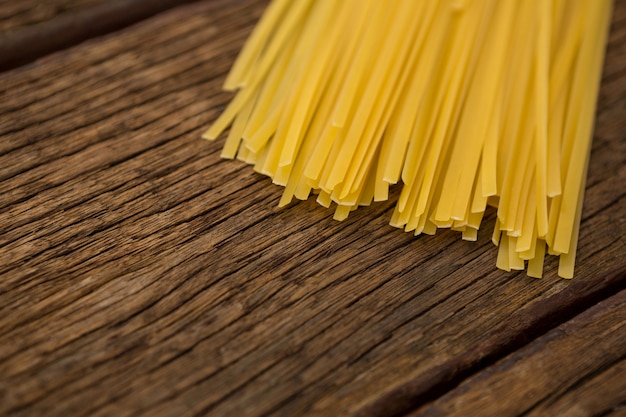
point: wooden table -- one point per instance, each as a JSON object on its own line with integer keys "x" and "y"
{"x": 143, "y": 275}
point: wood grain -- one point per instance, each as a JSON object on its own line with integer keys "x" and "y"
{"x": 18, "y": 14}
{"x": 30, "y": 29}
{"x": 516, "y": 331}
{"x": 576, "y": 369}
{"x": 142, "y": 275}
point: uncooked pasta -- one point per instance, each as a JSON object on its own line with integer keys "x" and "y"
{"x": 464, "y": 104}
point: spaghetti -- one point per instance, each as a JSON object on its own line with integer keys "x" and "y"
{"x": 467, "y": 103}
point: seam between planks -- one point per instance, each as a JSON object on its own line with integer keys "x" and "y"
{"x": 27, "y": 44}
{"x": 535, "y": 322}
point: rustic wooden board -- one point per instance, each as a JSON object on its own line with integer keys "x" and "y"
{"x": 141, "y": 274}
{"x": 30, "y": 29}
{"x": 577, "y": 369}
{"x": 18, "y": 14}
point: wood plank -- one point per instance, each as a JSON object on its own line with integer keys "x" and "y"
{"x": 510, "y": 334}
{"x": 32, "y": 29}
{"x": 576, "y": 369}
{"x": 144, "y": 275}
{"x": 18, "y": 14}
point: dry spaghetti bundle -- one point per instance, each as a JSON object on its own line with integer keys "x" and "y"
{"x": 465, "y": 103}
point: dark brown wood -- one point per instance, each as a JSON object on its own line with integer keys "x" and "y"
{"x": 141, "y": 274}
{"x": 18, "y": 14}
{"x": 518, "y": 330}
{"x": 34, "y": 29}
{"x": 576, "y": 369}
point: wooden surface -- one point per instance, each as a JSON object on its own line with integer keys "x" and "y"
{"x": 30, "y": 29}
{"x": 143, "y": 275}
{"x": 18, "y": 14}
{"x": 578, "y": 368}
